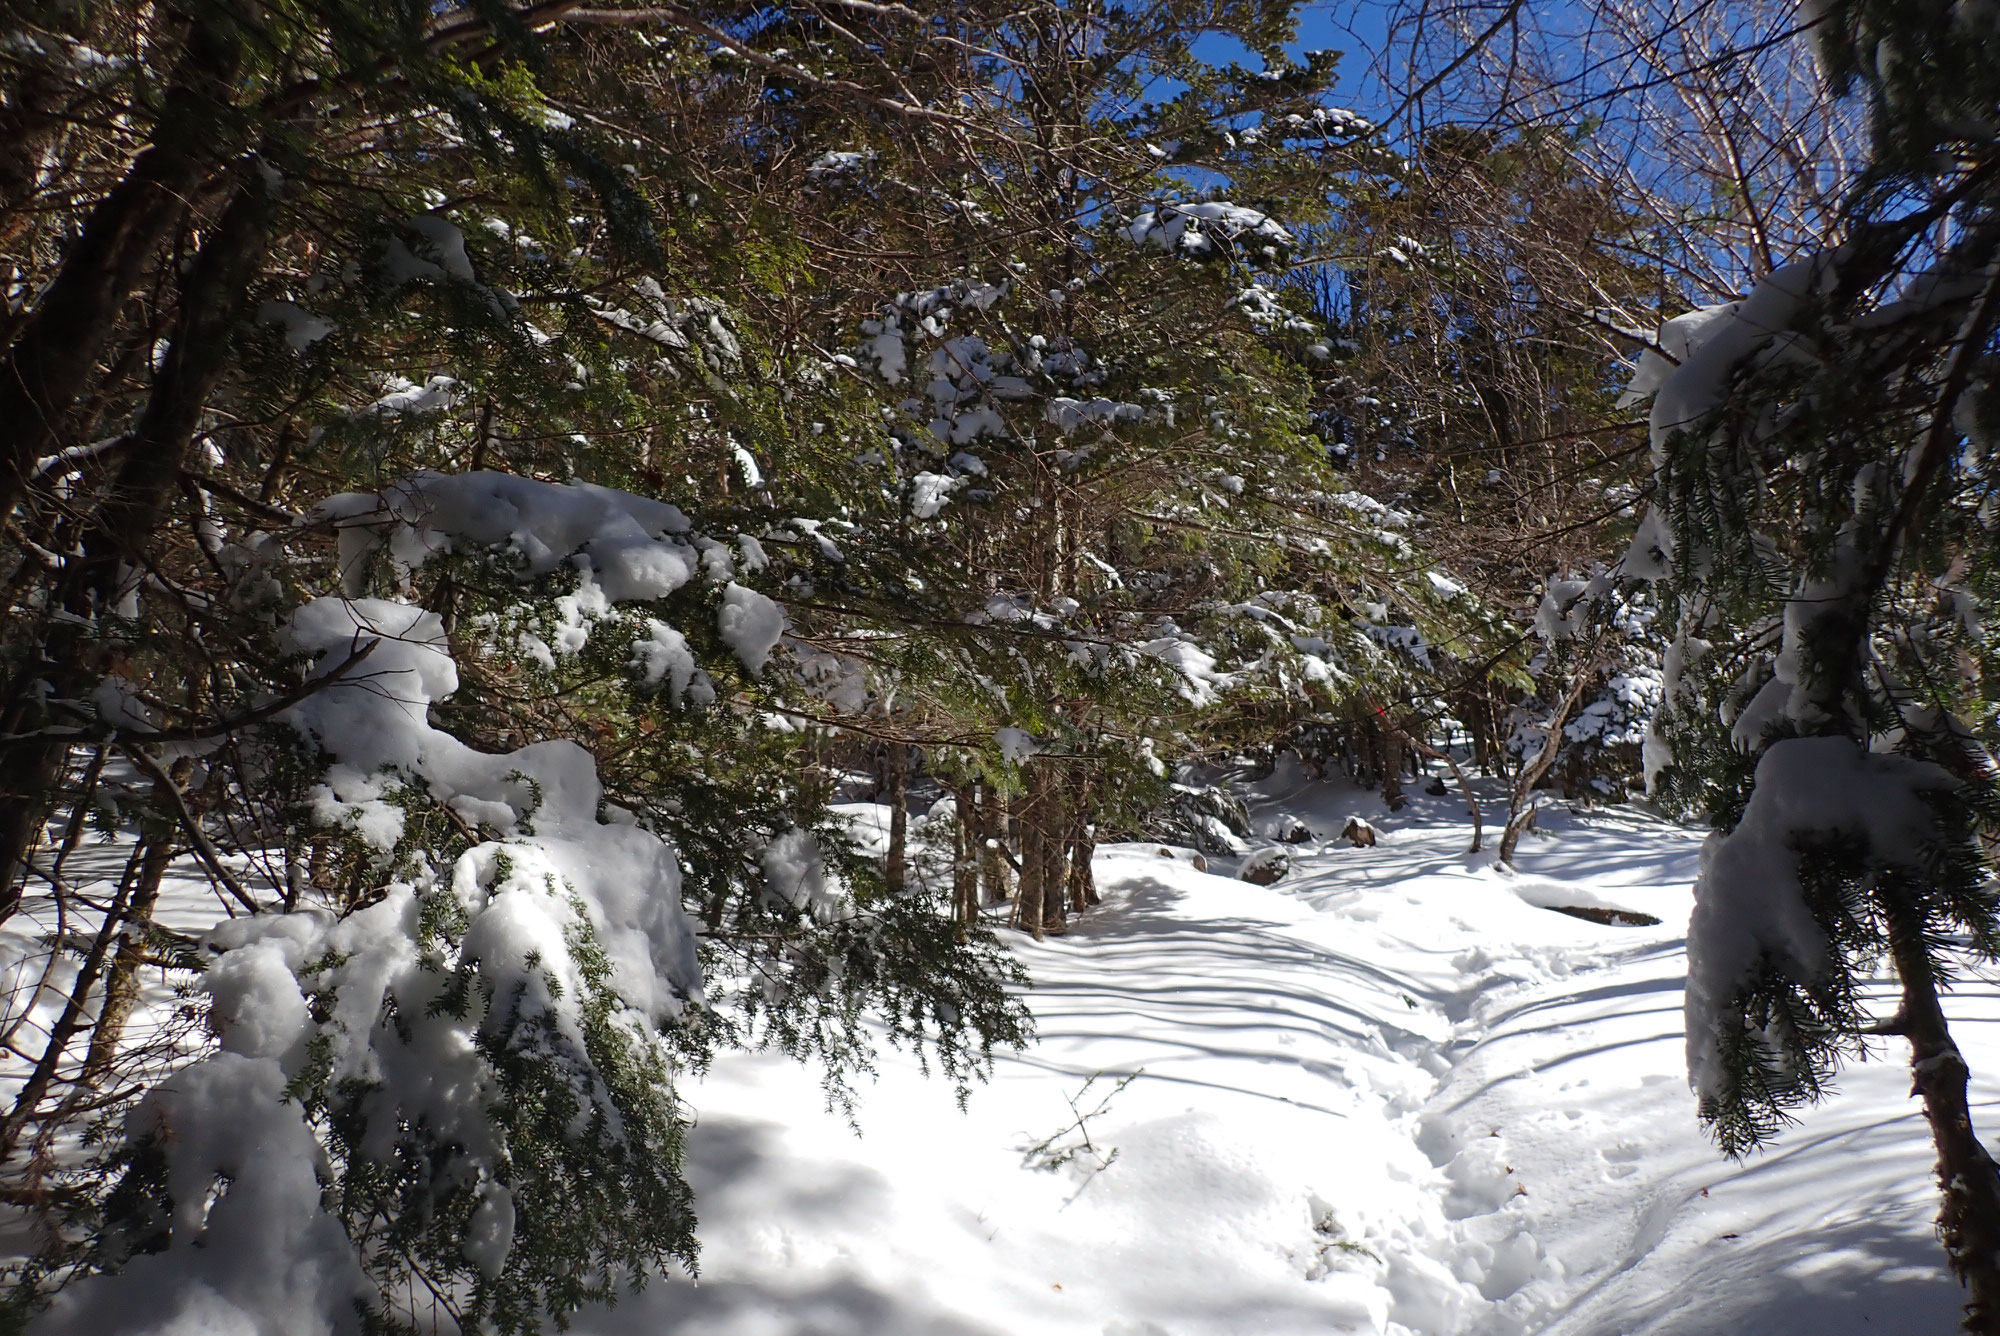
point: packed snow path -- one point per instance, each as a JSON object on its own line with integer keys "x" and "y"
{"x": 1389, "y": 1094}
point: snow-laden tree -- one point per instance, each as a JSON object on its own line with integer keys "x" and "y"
{"x": 479, "y": 471}
{"x": 322, "y": 316}
{"x": 1105, "y": 534}
{"x": 1822, "y": 533}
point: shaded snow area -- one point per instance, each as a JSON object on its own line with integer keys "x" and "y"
{"x": 1389, "y": 1094}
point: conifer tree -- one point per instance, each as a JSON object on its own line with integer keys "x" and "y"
{"x": 1823, "y": 535}
{"x": 479, "y": 468}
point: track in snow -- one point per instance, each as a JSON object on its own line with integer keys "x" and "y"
{"x": 1387, "y": 1095}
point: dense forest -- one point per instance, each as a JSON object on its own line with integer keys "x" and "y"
{"x": 489, "y": 488}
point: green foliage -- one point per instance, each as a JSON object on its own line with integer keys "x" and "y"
{"x": 1824, "y": 527}
{"x": 603, "y": 246}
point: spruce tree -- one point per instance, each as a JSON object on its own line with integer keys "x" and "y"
{"x": 1822, "y": 532}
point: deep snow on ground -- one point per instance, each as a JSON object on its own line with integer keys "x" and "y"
{"x": 1388, "y": 1094}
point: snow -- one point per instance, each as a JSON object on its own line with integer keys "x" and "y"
{"x": 1387, "y": 1095}
{"x": 929, "y": 492}
{"x": 564, "y": 909}
{"x": 264, "y": 1246}
{"x": 119, "y": 708}
{"x": 663, "y": 655}
{"x": 840, "y": 162}
{"x": 885, "y": 346}
{"x": 1650, "y": 557}
{"x": 632, "y": 543}
{"x": 751, "y": 625}
{"x": 795, "y": 873}
{"x": 1706, "y": 346}
{"x": 374, "y": 723}
{"x": 1067, "y": 415}
{"x": 1749, "y": 907}
{"x": 1015, "y": 744}
{"x": 439, "y": 252}
{"x": 301, "y": 327}
{"x": 1192, "y": 229}
{"x": 490, "y": 1236}
{"x": 1194, "y": 668}
{"x": 256, "y": 1007}
{"x": 401, "y": 396}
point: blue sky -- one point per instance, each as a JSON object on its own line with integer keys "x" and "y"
{"x": 1355, "y": 27}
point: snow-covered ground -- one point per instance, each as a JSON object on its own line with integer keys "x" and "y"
{"x": 1388, "y": 1094}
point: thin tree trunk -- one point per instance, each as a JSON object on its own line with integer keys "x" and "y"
{"x": 1082, "y": 849}
{"x": 30, "y": 124}
{"x": 121, "y": 985}
{"x": 1968, "y": 1178}
{"x": 896, "y": 773}
{"x": 212, "y": 305}
{"x": 965, "y": 860}
{"x": 993, "y": 869}
{"x": 1423, "y": 748}
{"x": 36, "y": 1088}
{"x": 1521, "y": 805}
{"x": 1054, "y": 823}
{"x": 1028, "y": 909}
{"x": 1392, "y": 769}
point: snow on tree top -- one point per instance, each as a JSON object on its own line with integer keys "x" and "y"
{"x": 1193, "y": 229}
{"x": 633, "y": 542}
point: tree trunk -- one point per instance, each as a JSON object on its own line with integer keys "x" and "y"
{"x": 1969, "y": 1180}
{"x": 1392, "y": 769}
{"x": 30, "y": 123}
{"x": 121, "y": 985}
{"x": 36, "y": 1088}
{"x": 1054, "y": 822}
{"x": 1521, "y": 805}
{"x": 965, "y": 860}
{"x": 896, "y": 773}
{"x": 52, "y": 359}
{"x": 1423, "y": 748}
{"x": 1083, "y": 848}
{"x": 121, "y": 533}
{"x": 1028, "y": 909}
{"x": 993, "y": 870}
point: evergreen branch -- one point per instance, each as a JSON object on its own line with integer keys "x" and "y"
{"x": 217, "y": 729}
{"x": 1969, "y": 346}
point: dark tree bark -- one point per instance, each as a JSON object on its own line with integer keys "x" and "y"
{"x": 992, "y": 826}
{"x": 1082, "y": 849}
{"x": 1054, "y": 841}
{"x": 965, "y": 859}
{"x": 30, "y": 121}
{"x": 1392, "y": 768}
{"x": 1521, "y": 804}
{"x": 72, "y": 1019}
{"x": 121, "y": 534}
{"x": 121, "y": 985}
{"x": 1969, "y": 1219}
{"x": 51, "y": 362}
{"x": 1029, "y": 912}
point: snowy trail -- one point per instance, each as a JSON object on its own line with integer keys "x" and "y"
{"x": 1387, "y": 1095}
